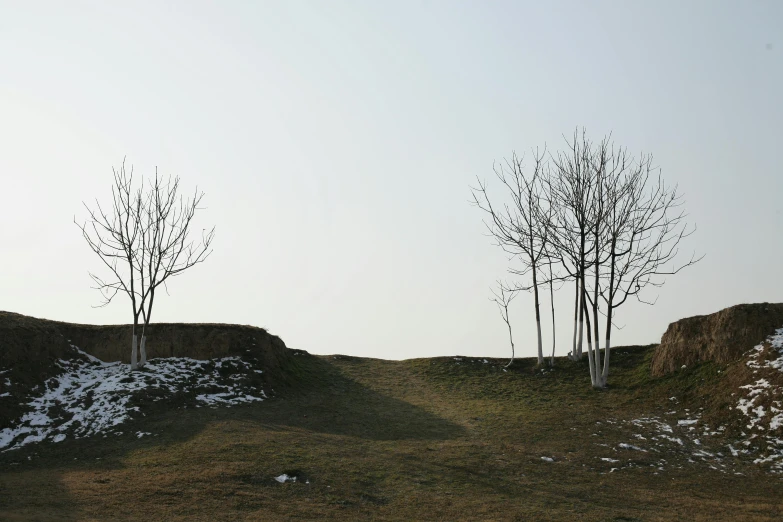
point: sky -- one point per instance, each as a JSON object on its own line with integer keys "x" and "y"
{"x": 336, "y": 142}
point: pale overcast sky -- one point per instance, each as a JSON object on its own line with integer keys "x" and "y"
{"x": 336, "y": 142}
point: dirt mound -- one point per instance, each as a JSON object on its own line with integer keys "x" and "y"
{"x": 29, "y": 350}
{"x": 32, "y": 351}
{"x": 28, "y": 337}
{"x": 721, "y": 337}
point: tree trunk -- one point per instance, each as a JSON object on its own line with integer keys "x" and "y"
{"x": 552, "y": 300}
{"x": 540, "y": 346}
{"x": 134, "y": 353}
{"x": 538, "y": 318}
{"x": 590, "y": 360}
{"x": 599, "y": 381}
{"x": 605, "y": 373}
{"x": 582, "y": 293}
{"x": 510, "y": 336}
{"x": 576, "y": 320}
{"x": 143, "y": 350}
{"x": 597, "y": 347}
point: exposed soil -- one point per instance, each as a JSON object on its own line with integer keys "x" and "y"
{"x": 31, "y": 347}
{"x": 721, "y": 337}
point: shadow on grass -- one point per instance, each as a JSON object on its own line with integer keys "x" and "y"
{"x": 327, "y": 401}
{"x": 312, "y": 395}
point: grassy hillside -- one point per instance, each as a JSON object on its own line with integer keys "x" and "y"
{"x": 452, "y": 438}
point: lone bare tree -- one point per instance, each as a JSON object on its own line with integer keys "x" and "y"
{"x": 518, "y": 228}
{"x": 503, "y": 299}
{"x": 144, "y": 239}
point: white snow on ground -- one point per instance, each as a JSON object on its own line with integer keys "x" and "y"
{"x": 661, "y": 445}
{"x": 630, "y": 446}
{"x": 690, "y": 441}
{"x": 91, "y": 397}
{"x": 765, "y": 424}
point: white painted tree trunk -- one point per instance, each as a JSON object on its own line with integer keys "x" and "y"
{"x": 573, "y": 342}
{"x": 143, "y": 350}
{"x": 134, "y": 354}
{"x": 540, "y": 345}
{"x": 606, "y": 361}
{"x": 576, "y": 321}
{"x": 591, "y": 362}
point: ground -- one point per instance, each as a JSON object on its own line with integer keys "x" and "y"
{"x": 453, "y": 438}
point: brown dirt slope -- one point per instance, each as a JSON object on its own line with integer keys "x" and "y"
{"x": 31, "y": 347}
{"x": 721, "y": 337}
{"x": 113, "y": 342}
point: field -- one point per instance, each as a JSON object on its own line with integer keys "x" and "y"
{"x": 455, "y": 438}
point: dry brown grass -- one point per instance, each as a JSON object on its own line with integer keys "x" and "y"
{"x": 427, "y": 439}
{"x": 721, "y": 337}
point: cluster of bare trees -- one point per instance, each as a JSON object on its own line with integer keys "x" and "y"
{"x": 591, "y": 215}
{"x": 143, "y": 239}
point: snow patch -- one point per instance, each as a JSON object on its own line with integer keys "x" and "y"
{"x": 92, "y": 397}
{"x": 631, "y": 446}
{"x": 766, "y": 423}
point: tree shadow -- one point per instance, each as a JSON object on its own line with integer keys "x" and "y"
{"x": 324, "y": 400}
{"x": 311, "y": 395}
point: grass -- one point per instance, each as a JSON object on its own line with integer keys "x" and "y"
{"x": 423, "y": 439}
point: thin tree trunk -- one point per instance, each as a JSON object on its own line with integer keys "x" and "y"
{"x": 147, "y": 317}
{"x": 143, "y": 350}
{"x": 576, "y": 320}
{"x": 582, "y": 307}
{"x": 582, "y": 291}
{"x": 540, "y": 346}
{"x": 597, "y": 346}
{"x": 609, "y": 315}
{"x": 580, "y": 338}
{"x": 538, "y": 318}
{"x": 590, "y": 360}
{"x": 134, "y": 352}
{"x": 552, "y": 300}
{"x": 511, "y": 340}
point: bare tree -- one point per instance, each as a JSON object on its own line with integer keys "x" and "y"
{"x": 600, "y": 217}
{"x": 570, "y": 191}
{"x": 503, "y": 299}
{"x": 610, "y": 223}
{"x": 644, "y": 229}
{"x": 552, "y": 303}
{"x": 143, "y": 241}
{"x": 517, "y": 228}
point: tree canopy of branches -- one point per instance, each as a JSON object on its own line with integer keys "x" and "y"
{"x": 608, "y": 221}
{"x": 143, "y": 240}
{"x": 516, "y": 227}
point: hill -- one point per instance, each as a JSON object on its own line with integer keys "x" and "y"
{"x": 449, "y": 438}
